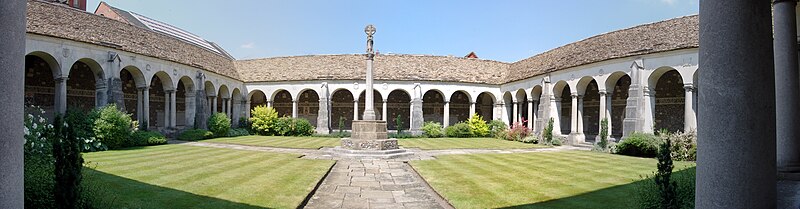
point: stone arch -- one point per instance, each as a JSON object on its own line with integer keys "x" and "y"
{"x": 132, "y": 80}
{"x": 210, "y": 89}
{"x": 160, "y": 83}
{"x": 398, "y": 106}
{"x": 223, "y": 93}
{"x": 342, "y": 109}
{"x": 185, "y": 103}
{"x": 613, "y": 78}
{"x": 40, "y": 71}
{"x": 377, "y": 104}
{"x": 257, "y": 98}
{"x": 84, "y": 85}
{"x": 563, "y": 95}
{"x": 485, "y": 104}
{"x": 308, "y": 105}
{"x": 508, "y": 106}
{"x": 536, "y": 96}
{"x": 460, "y": 102}
{"x": 668, "y": 103}
{"x": 282, "y": 102}
{"x": 590, "y": 114}
{"x": 433, "y": 106}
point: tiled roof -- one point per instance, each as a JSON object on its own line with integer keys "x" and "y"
{"x": 58, "y": 21}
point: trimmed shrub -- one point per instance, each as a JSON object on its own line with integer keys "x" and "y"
{"x": 286, "y": 126}
{"x": 112, "y": 127}
{"x": 497, "y": 128}
{"x": 557, "y": 141}
{"x": 459, "y": 130}
{"x": 68, "y": 165}
{"x": 219, "y": 124}
{"x": 639, "y": 145}
{"x": 146, "y": 138}
{"x": 237, "y": 132}
{"x": 403, "y": 136}
{"x": 432, "y": 129}
{"x": 478, "y": 125}
{"x": 263, "y": 119}
{"x": 303, "y": 127}
{"x": 195, "y": 135}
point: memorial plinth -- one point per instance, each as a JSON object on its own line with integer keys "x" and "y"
{"x": 369, "y": 135}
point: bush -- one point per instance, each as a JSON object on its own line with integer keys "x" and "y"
{"x": 83, "y": 122}
{"x": 684, "y": 145}
{"x": 432, "y": 129}
{"x": 517, "y": 132}
{"x": 286, "y": 126}
{"x": 459, "y": 130}
{"x": 639, "y": 145}
{"x": 263, "y": 119}
{"x": 403, "y": 136}
{"x": 112, "y": 127}
{"x": 557, "y": 141}
{"x": 497, "y": 128}
{"x": 146, "y": 138}
{"x": 195, "y": 135}
{"x": 478, "y": 125}
{"x": 237, "y": 132}
{"x": 547, "y": 135}
{"x": 219, "y": 124}
{"x": 302, "y": 127}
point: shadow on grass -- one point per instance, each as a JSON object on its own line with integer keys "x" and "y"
{"x": 111, "y": 191}
{"x": 622, "y": 196}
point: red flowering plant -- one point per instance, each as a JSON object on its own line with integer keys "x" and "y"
{"x": 518, "y": 131}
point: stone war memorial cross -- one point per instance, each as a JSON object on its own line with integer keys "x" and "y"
{"x": 369, "y": 137}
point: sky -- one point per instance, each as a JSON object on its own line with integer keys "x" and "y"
{"x": 502, "y": 30}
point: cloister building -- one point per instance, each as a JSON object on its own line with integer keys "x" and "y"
{"x": 641, "y": 78}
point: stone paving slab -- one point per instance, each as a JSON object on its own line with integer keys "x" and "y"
{"x": 383, "y": 191}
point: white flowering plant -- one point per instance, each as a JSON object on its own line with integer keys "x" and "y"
{"x": 38, "y": 132}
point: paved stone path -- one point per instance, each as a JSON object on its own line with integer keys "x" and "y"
{"x": 374, "y": 184}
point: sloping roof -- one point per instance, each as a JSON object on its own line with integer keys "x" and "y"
{"x": 386, "y": 67}
{"x": 667, "y": 35}
{"x": 51, "y": 20}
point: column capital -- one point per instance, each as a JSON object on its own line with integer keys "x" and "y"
{"x": 145, "y": 88}
{"x": 385, "y": 101}
{"x": 169, "y": 91}
{"x": 688, "y": 87}
{"x": 60, "y": 79}
{"x": 603, "y": 92}
{"x": 473, "y": 103}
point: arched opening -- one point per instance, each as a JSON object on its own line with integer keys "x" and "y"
{"x": 563, "y": 95}
{"x": 485, "y": 106}
{"x": 536, "y": 95}
{"x": 211, "y": 96}
{"x": 433, "y": 106}
{"x": 508, "y": 106}
{"x": 377, "y": 104}
{"x": 282, "y": 102}
{"x": 39, "y": 82}
{"x": 308, "y": 106}
{"x": 159, "y": 101}
{"x": 619, "y": 101}
{"x": 591, "y": 110}
{"x": 223, "y": 98}
{"x": 522, "y": 107}
{"x": 398, "y": 106}
{"x": 459, "y": 107}
{"x": 185, "y": 103}
{"x": 132, "y": 84}
{"x": 669, "y": 102}
{"x": 236, "y": 107}
{"x": 257, "y": 98}
{"x": 342, "y": 109}
{"x": 82, "y": 85}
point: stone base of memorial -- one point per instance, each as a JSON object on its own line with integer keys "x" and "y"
{"x": 370, "y": 139}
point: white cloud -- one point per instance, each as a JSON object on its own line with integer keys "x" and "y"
{"x": 670, "y": 2}
{"x": 250, "y": 45}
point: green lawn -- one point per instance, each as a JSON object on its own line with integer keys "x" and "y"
{"x": 281, "y": 141}
{"x": 463, "y": 143}
{"x": 180, "y": 176}
{"x": 576, "y": 179}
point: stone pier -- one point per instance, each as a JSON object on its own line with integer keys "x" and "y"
{"x": 12, "y": 53}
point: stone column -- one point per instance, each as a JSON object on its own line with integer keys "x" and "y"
{"x": 189, "y": 112}
{"x": 355, "y": 110}
{"x": 61, "y": 95}
{"x": 139, "y": 106}
{"x": 201, "y": 107}
{"x": 294, "y": 108}
{"x": 574, "y": 115}
{"x": 247, "y": 109}
{"x": 580, "y": 114}
{"x": 689, "y": 119}
{"x": 555, "y": 114}
{"x": 173, "y": 111}
{"x": 384, "y": 114}
{"x": 472, "y": 107}
{"x": 787, "y": 86}
{"x": 446, "y": 114}
{"x": 269, "y": 103}
{"x": 101, "y": 95}
{"x": 648, "y": 109}
{"x": 12, "y": 53}
{"x": 167, "y": 95}
{"x": 736, "y": 140}
{"x": 144, "y": 121}
{"x": 228, "y": 108}
{"x": 213, "y": 104}
{"x": 603, "y": 111}
{"x": 515, "y": 112}
{"x": 609, "y": 110}
{"x": 530, "y": 113}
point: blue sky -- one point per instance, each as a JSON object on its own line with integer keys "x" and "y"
{"x": 505, "y": 30}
